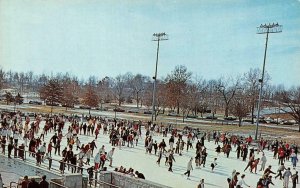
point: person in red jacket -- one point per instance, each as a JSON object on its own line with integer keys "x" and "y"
{"x": 254, "y": 165}
{"x": 96, "y": 133}
{"x": 49, "y": 148}
{"x": 103, "y": 158}
{"x": 281, "y": 155}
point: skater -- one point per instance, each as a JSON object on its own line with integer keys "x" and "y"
{"x": 155, "y": 147}
{"x": 189, "y": 168}
{"x": 159, "y": 157}
{"x": 295, "y": 179}
{"x": 263, "y": 162}
{"x": 10, "y": 147}
{"x": 170, "y": 160}
{"x": 294, "y": 159}
{"x": 97, "y": 161}
{"x": 245, "y": 153}
{"x": 280, "y": 170}
{"x": 286, "y": 177}
{"x": 254, "y": 165}
{"x": 171, "y": 142}
{"x": 268, "y": 171}
{"x": 242, "y": 182}
{"x": 238, "y": 151}
{"x": 110, "y": 155}
{"x": 251, "y": 160}
{"x": 214, "y": 164}
{"x": 218, "y": 150}
{"x": 201, "y": 184}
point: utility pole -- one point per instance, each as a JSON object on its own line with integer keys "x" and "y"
{"x": 156, "y": 37}
{"x": 264, "y": 29}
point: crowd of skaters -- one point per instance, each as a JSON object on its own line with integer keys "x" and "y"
{"x": 76, "y": 154}
{"x": 242, "y": 146}
{"x": 127, "y": 134}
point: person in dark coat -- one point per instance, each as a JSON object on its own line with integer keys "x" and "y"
{"x": 10, "y": 147}
{"x": 245, "y": 153}
{"x": 33, "y": 184}
{"x": 44, "y": 183}
{"x": 21, "y": 151}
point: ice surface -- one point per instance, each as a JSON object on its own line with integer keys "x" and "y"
{"x": 146, "y": 163}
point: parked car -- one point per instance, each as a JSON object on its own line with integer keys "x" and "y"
{"x": 119, "y": 110}
{"x": 148, "y": 112}
{"x": 30, "y": 114}
{"x": 52, "y": 104}
{"x": 84, "y": 107}
{"x": 211, "y": 117}
{"x": 288, "y": 122}
{"x": 103, "y": 109}
{"x": 173, "y": 114}
{"x": 191, "y": 116}
{"x": 230, "y": 118}
{"x": 135, "y": 110}
{"x": 68, "y": 106}
{"x": 35, "y": 102}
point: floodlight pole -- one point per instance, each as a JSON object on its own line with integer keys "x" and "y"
{"x": 264, "y": 29}
{"x": 156, "y": 37}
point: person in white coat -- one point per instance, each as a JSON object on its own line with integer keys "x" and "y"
{"x": 97, "y": 160}
{"x": 242, "y": 182}
{"x": 189, "y": 168}
{"x": 110, "y": 155}
{"x": 263, "y": 162}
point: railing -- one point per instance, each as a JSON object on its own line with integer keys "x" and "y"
{"x": 102, "y": 184}
{"x": 54, "y": 162}
{"x": 128, "y": 181}
{"x": 11, "y": 186}
{"x": 16, "y": 152}
{"x": 53, "y": 184}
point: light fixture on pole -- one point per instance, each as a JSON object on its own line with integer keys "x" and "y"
{"x": 156, "y": 37}
{"x": 264, "y": 29}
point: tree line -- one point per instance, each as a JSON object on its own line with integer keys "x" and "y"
{"x": 180, "y": 92}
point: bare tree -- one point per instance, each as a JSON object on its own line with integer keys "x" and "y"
{"x": 200, "y": 98}
{"x": 240, "y": 106}
{"x": 104, "y": 88}
{"x": 137, "y": 84}
{"x": 227, "y": 88}
{"x": 119, "y": 85}
{"x": 251, "y": 84}
{"x": 291, "y": 100}
{"x": 2, "y": 78}
{"x": 161, "y": 98}
{"x": 147, "y": 98}
{"x": 21, "y": 82}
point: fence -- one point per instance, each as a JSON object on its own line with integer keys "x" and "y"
{"x": 102, "y": 179}
{"x": 126, "y": 181}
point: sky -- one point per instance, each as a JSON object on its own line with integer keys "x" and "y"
{"x": 107, "y": 38}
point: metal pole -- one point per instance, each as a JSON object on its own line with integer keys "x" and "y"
{"x": 154, "y": 85}
{"x": 261, "y": 86}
